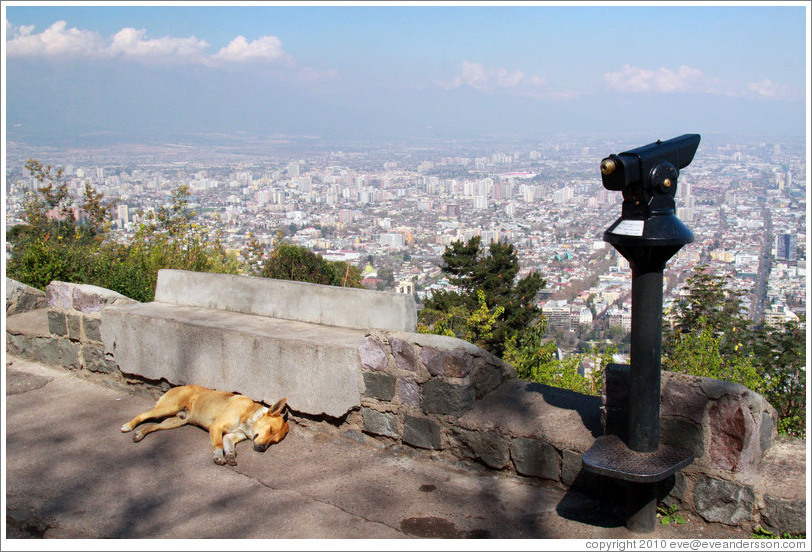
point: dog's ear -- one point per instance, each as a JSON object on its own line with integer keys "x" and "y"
{"x": 278, "y": 407}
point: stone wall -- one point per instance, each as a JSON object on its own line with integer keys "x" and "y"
{"x": 417, "y": 386}
{"x": 71, "y": 337}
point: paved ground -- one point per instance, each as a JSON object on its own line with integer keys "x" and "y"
{"x": 72, "y": 474}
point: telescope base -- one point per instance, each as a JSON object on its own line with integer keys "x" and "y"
{"x": 610, "y": 456}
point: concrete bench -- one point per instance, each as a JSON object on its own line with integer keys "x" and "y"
{"x": 265, "y": 338}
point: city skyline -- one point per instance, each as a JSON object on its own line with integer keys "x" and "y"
{"x": 80, "y": 75}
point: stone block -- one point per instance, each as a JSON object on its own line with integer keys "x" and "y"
{"x": 406, "y": 357}
{"x": 372, "y": 354}
{"x": 69, "y": 352}
{"x": 408, "y": 392}
{"x": 74, "y": 323}
{"x": 456, "y": 363}
{"x": 732, "y": 431}
{"x": 535, "y": 458}
{"x": 92, "y": 328}
{"x": 767, "y": 431}
{"x": 563, "y": 418}
{"x": 380, "y": 423}
{"x": 18, "y": 345}
{"x": 441, "y": 397}
{"x": 59, "y": 295}
{"x": 23, "y": 298}
{"x": 681, "y": 396}
{"x": 422, "y": 433}
{"x": 57, "y": 323}
{"x": 88, "y": 299}
{"x": 488, "y": 447}
{"x": 485, "y": 377}
{"x": 378, "y": 385}
{"x": 433, "y": 359}
{"x": 95, "y": 360}
{"x": 682, "y": 433}
{"x": 571, "y": 465}
{"x": 45, "y": 350}
{"x": 781, "y": 515}
{"x": 721, "y": 501}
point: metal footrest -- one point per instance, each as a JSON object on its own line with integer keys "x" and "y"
{"x": 611, "y": 457}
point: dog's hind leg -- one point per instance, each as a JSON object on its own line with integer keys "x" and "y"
{"x": 169, "y": 423}
{"x": 171, "y": 403}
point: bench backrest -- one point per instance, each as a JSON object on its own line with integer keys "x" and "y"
{"x": 288, "y": 300}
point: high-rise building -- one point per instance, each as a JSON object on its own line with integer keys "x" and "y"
{"x": 123, "y": 213}
{"x": 786, "y": 247}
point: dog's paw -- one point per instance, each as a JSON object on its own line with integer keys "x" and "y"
{"x": 220, "y": 460}
{"x": 231, "y": 459}
{"x": 137, "y": 436}
{"x": 125, "y": 428}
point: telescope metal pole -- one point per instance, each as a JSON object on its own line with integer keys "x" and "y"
{"x": 644, "y": 385}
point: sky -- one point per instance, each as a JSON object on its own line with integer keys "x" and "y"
{"x": 160, "y": 73}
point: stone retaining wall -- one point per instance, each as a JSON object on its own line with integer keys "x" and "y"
{"x": 417, "y": 386}
{"x": 74, "y": 318}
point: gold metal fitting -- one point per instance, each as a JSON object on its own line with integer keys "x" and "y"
{"x": 667, "y": 182}
{"x": 608, "y": 166}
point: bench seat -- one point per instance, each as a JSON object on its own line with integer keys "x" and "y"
{"x": 314, "y": 366}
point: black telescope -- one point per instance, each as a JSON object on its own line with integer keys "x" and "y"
{"x": 647, "y": 234}
{"x": 647, "y": 167}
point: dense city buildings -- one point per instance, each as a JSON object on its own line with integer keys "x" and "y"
{"x": 394, "y": 210}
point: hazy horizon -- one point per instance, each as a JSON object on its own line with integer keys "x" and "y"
{"x": 97, "y": 75}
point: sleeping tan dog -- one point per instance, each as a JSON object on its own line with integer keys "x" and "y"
{"x": 229, "y": 418}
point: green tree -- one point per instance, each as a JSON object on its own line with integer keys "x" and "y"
{"x": 50, "y": 210}
{"x": 781, "y": 352}
{"x": 493, "y": 272}
{"x": 253, "y": 253}
{"x": 474, "y": 326}
{"x": 288, "y": 261}
{"x": 711, "y": 337}
{"x": 97, "y": 211}
{"x": 388, "y": 276}
{"x": 533, "y": 354}
{"x": 699, "y": 353}
{"x": 711, "y": 303}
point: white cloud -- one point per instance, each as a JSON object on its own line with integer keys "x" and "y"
{"x": 480, "y": 77}
{"x": 634, "y": 79}
{"x": 491, "y": 79}
{"x": 768, "y": 89}
{"x": 56, "y": 40}
{"x": 131, "y": 43}
{"x": 265, "y": 48}
{"x": 61, "y": 41}
{"x": 631, "y": 79}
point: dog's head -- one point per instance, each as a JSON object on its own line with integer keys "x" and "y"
{"x": 271, "y": 427}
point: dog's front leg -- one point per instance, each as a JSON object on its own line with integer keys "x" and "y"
{"x": 216, "y": 434}
{"x": 229, "y": 440}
